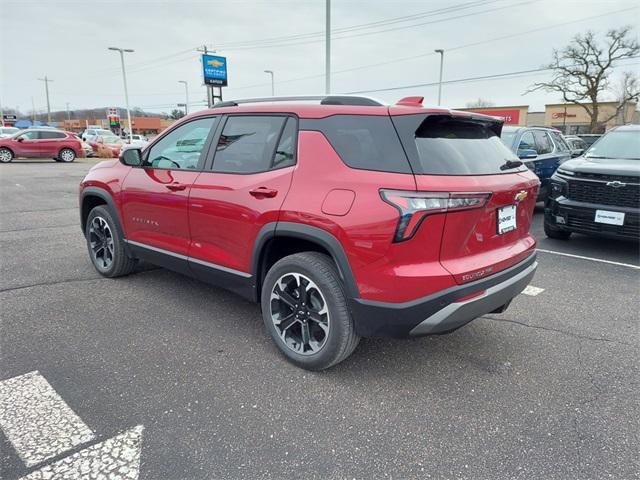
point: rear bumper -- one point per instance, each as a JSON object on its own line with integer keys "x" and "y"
{"x": 442, "y": 312}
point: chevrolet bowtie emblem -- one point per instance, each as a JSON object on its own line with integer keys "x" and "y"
{"x": 521, "y": 195}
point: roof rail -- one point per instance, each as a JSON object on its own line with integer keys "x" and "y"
{"x": 324, "y": 100}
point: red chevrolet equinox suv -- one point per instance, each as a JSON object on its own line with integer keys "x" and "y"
{"x": 343, "y": 217}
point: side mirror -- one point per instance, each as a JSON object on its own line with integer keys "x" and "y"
{"x": 131, "y": 157}
{"x": 576, "y": 153}
{"x": 20, "y": 139}
{"x": 527, "y": 154}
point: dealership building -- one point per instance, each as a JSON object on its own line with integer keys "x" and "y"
{"x": 141, "y": 125}
{"x": 567, "y": 117}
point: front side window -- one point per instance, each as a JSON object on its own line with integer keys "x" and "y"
{"x": 181, "y": 148}
{"x": 30, "y": 135}
{"x": 247, "y": 144}
{"x": 543, "y": 142}
{"x": 527, "y": 142}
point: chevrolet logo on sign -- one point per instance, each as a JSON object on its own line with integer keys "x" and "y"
{"x": 215, "y": 63}
{"x": 521, "y": 195}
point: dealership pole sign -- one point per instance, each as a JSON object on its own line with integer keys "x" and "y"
{"x": 214, "y": 69}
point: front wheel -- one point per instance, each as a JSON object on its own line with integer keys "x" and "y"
{"x": 304, "y": 308}
{"x": 6, "y": 155}
{"x": 67, "y": 155}
{"x": 106, "y": 245}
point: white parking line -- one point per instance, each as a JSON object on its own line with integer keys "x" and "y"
{"x": 601, "y": 260}
{"x": 532, "y": 291}
{"x": 115, "y": 458}
{"x": 37, "y": 421}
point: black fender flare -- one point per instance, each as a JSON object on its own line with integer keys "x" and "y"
{"x": 312, "y": 234}
{"x": 106, "y": 196}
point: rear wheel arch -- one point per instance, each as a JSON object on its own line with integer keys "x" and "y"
{"x": 276, "y": 241}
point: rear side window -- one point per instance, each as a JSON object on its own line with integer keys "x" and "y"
{"x": 543, "y": 142}
{"x": 442, "y": 145}
{"x": 51, "y": 135}
{"x": 363, "y": 142}
{"x": 560, "y": 143}
{"x": 247, "y": 144}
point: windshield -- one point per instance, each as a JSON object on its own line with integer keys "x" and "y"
{"x": 507, "y": 137}
{"x": 618, "y": 144}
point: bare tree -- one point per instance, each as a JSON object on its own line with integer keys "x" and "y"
{"x": 480, "y": 103}
{"x": 581, "y": 70}
{"x": 628, "y": 89}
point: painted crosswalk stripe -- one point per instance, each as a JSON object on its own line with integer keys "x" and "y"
{"x": 532, "y": 291}
{"x": 115, "y": 458}
{"x": 37, "y": 421}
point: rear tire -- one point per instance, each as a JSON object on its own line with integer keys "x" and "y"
{"x": 67, "y": 155}
{"x": 106, "y": 245}
{"x": 6, "y": 155}
{"x": 555, "y": 233}
{"x": 304, "y": 308}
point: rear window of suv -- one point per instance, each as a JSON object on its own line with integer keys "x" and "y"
{"x": 442, "y": 145}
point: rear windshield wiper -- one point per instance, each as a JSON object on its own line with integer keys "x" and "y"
{"x": 509, "y": 164}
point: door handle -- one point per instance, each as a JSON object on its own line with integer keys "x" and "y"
{"x": 176, "y": 187}
{"x": 263, "y": 192}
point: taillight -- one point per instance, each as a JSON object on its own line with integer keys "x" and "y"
{"x": 416, "y": 206}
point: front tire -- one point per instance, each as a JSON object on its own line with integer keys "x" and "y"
{"x": 67, "y": 155}
{"x": 106, "y": 245}
{"x": 304, "y": 309}
{"x": 6, "y": 155}
{"x": 555, "y": 233}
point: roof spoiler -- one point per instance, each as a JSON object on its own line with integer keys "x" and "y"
{"x": 410, "y": 101}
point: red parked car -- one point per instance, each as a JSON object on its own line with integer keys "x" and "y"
{"x": 343, "y": 218}
{"x": 41, "y": 143}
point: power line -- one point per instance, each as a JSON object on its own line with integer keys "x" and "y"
{"x": 431, "y": 53}
{"x": 469, "y": 79}
{"x": 402, "y": 27}
{"x": 335, "y": 31}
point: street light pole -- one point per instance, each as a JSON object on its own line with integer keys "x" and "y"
{"x": 273, "y": 85}
{"x": 46, "y": 89}
{"x": 68, "y": 114}
{"x": 327, "y": 53}
{"x": 126, "y": 92}
{"x": 186, "y": 93}
{"x": 441, "y": 52}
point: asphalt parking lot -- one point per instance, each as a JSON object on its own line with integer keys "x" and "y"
{"x": 186, "y": 374}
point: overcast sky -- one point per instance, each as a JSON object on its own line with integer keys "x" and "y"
{"x": 67, "y": 41}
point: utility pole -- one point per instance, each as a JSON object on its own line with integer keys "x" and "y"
{"x": 273, "y": 86}
{"x": 46, "y": 89}
{"x": 124, "y": 78}
{"x": 68, "y": 114}
{"x": 33, "y": 110}
{"x": 327, "y": 53}
{"x": 1, "y": 114}
{"x": 186, "y": 93}
{"x": 441, "y": 52}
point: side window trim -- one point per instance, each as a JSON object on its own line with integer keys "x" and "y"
{"x": 205, "y": 148}
{"x": 223, "y": 121}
